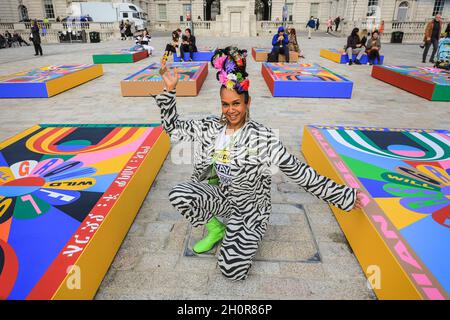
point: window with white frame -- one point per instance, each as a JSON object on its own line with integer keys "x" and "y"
{"x": 187, "y": 11}
{"x": 438, "y": 7}
{"x": 290, "y": 7}
{"x": 314, "y": 9}
{"x": 48, "y": 9}
{"x": 372, "y": 7}
{"x": 402, "y": 12}
{"x": 162, "y": 12}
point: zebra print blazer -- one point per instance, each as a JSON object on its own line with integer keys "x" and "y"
{"x": 253, "y": 155}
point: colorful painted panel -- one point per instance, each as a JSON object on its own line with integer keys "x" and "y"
{"x": 68, "y": 194}
{"x": 305, "y": 80}
{"x": 120, "y": 56}
{"x": 340, "y": 56}
{"x": 427, "y": 82}
{"x": 47, "y": 81}
{"x": 429, "y": 74}
{"x": 202, "y": 54}
{"x": 43, "y": 74}
{"x": 261, "y": 54}
{"x": 149, "y": 81}
{"x": 404, "y": 228}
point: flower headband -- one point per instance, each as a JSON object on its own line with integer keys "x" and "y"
{"x": 230, "y": 63}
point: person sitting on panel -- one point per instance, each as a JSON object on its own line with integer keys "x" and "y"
{"x": 293, "y": 43}
{"x": 354, "y": 46}
{"x": 373, "y": 47}
{"x": 188, "y": 45}
{"x": 280, "y": 43}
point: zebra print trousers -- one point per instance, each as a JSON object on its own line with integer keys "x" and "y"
{"x": 199, "y": 202}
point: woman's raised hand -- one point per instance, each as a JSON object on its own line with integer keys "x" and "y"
{"x": 170, "y": 79}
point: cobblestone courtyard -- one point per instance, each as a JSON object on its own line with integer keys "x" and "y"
{"x": 304, "y": 254}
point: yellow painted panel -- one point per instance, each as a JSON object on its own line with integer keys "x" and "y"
{"x": 100, "y": 251}
{"x": 399, "y": 215}
{"x": 333, "y": 56}
{"x": 73, "y": 79}
{"x": 367, "y": 244}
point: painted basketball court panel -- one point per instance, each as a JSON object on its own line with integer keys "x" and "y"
{"x": 68, "y": 194}
{"x": 427, "y": 82}
{"x": 305, "y": 80}
{"x": 47, "y": 81}
{"x": 402, "y": 234}
{"x": 120, "y": 56}
{"x": 149, "y": 81}
{"x": 340, "y": 56}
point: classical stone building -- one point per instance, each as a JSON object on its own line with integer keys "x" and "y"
{"x": 243, "y": 11}
{"x": 300, "y": 10}
{"x": 255, "y": 17}
{"x": 16, "y": 10}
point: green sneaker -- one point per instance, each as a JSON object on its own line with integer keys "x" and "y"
{"x": 216, "y": 232}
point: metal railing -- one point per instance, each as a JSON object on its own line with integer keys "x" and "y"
{"x": 50, "y": 31}
{"x": 6, "y": 26}
{"x": 413, "y": 25}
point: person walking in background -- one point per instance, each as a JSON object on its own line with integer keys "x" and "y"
{"x": 311, "y": 25}
{"x": 381, "y": 28}
{"x": 122, "y": 30}
{"x": 336, "y": 22}
{"x": 36, "y": 38}
{"x": 354, "y": 46}
{"x": 317, "y": 24}
{"x": 431, "y": 37}
{"x": 329, "y": 25}
{"x": 128, "y": 33}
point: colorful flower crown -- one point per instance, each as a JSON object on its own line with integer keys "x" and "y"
{"x": 230, "y": 63}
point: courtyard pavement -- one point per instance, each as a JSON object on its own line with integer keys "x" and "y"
{"x": 305, "y": 254}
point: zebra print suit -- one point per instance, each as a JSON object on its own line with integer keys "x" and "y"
{"x": 246, "y": 201}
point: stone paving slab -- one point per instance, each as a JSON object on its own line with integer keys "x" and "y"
{"x": 151, "y": 262}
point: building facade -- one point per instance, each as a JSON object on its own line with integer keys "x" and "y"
{"x": 174, "y": 11}
{"x": 300, "y": 10}
{"x": 17, "y": 10}
{"x": 254, "y": 17}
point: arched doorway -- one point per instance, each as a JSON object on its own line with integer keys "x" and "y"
{"x": 23, "y": 13}
{"x": 212, "y": 9}
{"x": 263, "y": 9}
{"x": 402, "y": 12}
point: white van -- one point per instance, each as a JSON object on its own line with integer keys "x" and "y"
{"x": 109, "y": 12}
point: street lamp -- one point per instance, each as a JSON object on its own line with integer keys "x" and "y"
{"x": 204, "y": 9}
{"x": 285, "y": 14}
{"x": 269, "y": 4}
{"x": 192, "y": 21}
{"x": 353, "y": 17}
